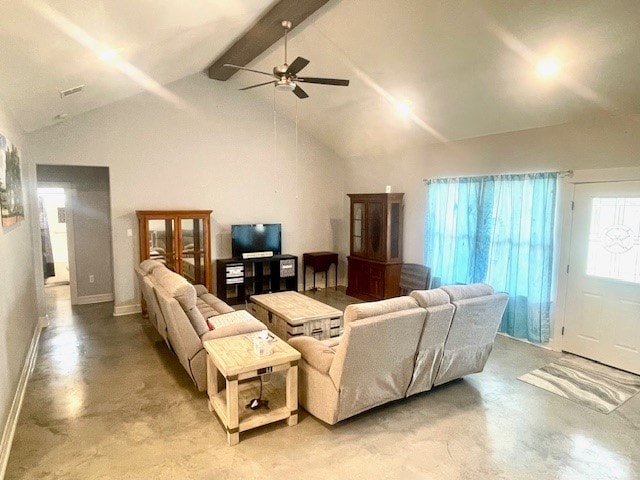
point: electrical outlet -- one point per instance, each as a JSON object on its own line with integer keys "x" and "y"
{"x": 92, "y": 279}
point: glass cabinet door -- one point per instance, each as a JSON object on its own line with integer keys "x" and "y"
{"x": 193, "y": 254}
{"x": 161, "y": 245}
{"x": 395, "y": 237}
{"x": 357, "y": 229}
{"x": 375, "y": 231}
{"x": 179, "y": 239}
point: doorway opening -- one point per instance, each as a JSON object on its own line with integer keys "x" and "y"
{"x": 53, "y": 231}
{"x": 76, "y": 213}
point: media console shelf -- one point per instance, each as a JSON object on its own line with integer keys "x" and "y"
{"x": 237, "y": 279}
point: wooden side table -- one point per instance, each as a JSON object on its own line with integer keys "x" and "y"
{"x": 234, "y": 358}
{"x": 320, "y": 262}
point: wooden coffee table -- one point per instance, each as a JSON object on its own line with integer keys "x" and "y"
{"x": 234, "y": 358}
{"x": 291, "y": 314}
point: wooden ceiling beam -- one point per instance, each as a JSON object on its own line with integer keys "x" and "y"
{"x": 267, "y": 31}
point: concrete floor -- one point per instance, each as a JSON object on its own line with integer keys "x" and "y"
{"x": 107, "y": 400}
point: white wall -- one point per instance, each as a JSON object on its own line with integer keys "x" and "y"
{"x": 219, "y": 154}
{"x": 20, "y": 301}
{"x": 609, "y": 141}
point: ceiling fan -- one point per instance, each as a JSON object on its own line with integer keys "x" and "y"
{"x": 286, "y": 76}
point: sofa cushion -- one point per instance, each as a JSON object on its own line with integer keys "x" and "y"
{"x": 462, "y": 292}
{"x": 197, "y": 321}
{"x": 186, "y": 296}
{"x": 430, "y": 298}
{"x": 200, "y": 289}
{"x": 216, "y": 303}
{"x": 205, "y": 309}
{"x": 149, "y": 265}
{"x": 176, "y": 286}
{"x": 211, "y": 310}
{"x": 159, "y": 274}
{"x": 358, "y": 311}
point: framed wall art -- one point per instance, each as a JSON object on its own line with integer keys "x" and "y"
{"x": 11, "y": 196}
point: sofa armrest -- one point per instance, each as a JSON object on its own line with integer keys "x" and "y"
{"x": 240, "y": 328}
{"x": 331, "y": 342}
{"x": 314, "y": 352}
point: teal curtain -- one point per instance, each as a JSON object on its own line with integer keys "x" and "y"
{"x": 497, "y": 230}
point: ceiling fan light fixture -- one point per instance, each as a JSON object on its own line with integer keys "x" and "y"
{"x": 285, "y": 76}
{"x": 286, "y": 85}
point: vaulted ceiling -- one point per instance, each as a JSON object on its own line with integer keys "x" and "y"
{"x": 463, "y": 69}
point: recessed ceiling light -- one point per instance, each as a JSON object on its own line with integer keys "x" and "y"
{"x": 403, "y": 108}
{"x": 548, "y": 67}
{"x": 108, "y": 55}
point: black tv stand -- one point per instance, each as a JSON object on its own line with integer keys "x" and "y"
{"x": 239, "y": 278}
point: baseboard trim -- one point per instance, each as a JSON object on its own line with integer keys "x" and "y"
{"x": 16, "y": 405}
{"x": 121, "y": 310}
{"x": 88, "y": 299}
{"x": 539, "y": 345}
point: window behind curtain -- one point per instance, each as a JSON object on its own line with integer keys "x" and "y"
{"x": 497, "y": 230}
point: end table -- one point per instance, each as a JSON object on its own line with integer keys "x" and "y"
{"x": 234, "y": 358}
{"x": 320, "y": 262}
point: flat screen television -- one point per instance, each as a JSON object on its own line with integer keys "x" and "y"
{"x": 259, "y": 237}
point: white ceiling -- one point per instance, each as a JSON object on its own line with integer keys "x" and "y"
{"x": 466, "y": 67}
{"x": 52, "y": 45}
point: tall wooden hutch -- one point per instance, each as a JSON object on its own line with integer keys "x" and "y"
{"x": 375, "y": 258}
{"x": 181, "y": 239}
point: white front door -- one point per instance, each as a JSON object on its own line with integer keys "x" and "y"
{"x": 602, "y": 316}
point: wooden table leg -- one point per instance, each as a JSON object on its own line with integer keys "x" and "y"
{"x": 292, "y": 393}
{"x": 233, "y": 432}
{"x": 213, "y": 386}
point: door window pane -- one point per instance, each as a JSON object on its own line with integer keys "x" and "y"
{"x": 614, "y": 239}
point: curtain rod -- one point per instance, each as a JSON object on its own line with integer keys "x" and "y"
{"x": 561, "y": 174}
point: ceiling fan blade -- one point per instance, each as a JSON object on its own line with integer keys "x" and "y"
{"x": 257, "y": 85}
{"x": 324, "y": 81}
{"x": 297, "y": 65}
{"x": 248, "y": 69}
{"x": 300, "y": 93}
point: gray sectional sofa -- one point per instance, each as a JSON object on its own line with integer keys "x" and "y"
{"x": 395, "y": 348}
{"x": 179, "y": 311}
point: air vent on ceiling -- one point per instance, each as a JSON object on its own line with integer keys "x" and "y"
{"x": 71, "y": 91}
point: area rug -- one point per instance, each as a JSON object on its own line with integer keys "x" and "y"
{"x": 587, "y": 383}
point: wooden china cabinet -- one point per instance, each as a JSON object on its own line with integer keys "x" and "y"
{"x": 181, "y": 239}
{"x": 375, "y": 258}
